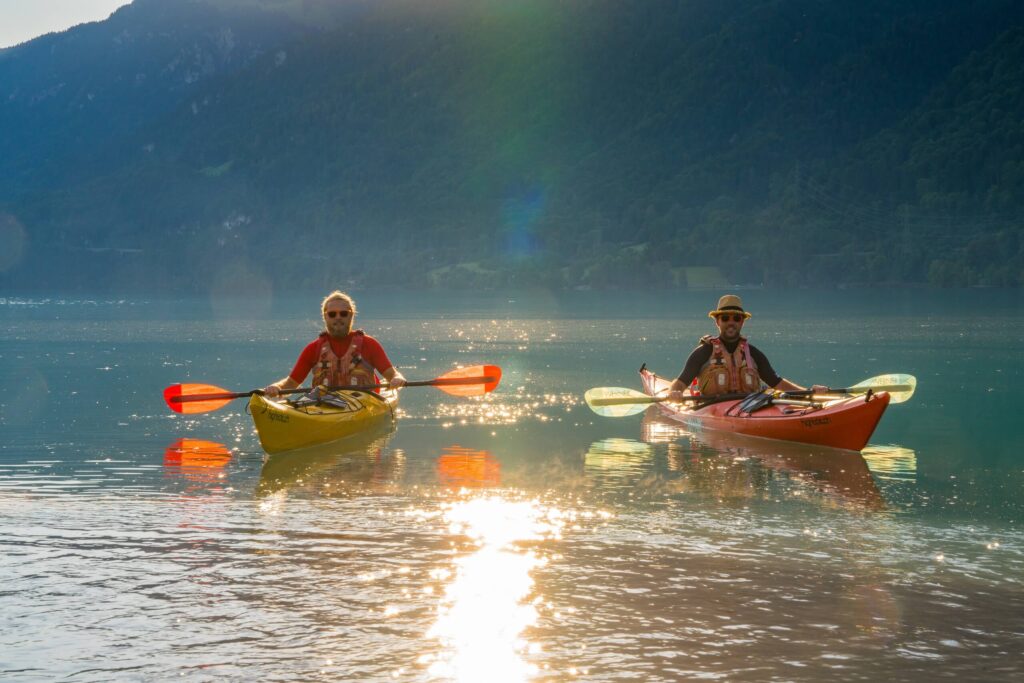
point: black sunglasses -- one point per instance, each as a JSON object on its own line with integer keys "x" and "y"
{"x": 335, "y": 314}
{"x": 735, "y": 318}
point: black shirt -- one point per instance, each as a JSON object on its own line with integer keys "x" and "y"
{"x": 702, "y": 354}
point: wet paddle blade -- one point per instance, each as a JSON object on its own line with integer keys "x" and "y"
{"x": 174, "y": 393}
{"x": 617, "y": 401}
{"x": 475, "y": 380}
{"x": 900, "y": 387}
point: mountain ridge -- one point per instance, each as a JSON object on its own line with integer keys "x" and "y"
{"x": 578, "y": 144}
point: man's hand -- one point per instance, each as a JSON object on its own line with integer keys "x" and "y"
{"x": 819, "y": 389}
{"x": 396, "y": 382}
{"x": 272, "y": 390}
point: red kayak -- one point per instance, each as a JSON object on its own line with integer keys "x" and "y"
{"x": 845, "y": 422}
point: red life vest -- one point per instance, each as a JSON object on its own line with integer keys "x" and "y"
{"x": 333, "y": 370}
{"x": 728, "y": 373}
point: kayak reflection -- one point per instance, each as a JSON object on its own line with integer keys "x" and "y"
{"x": 885, "y": 462}
{"x": 197, "y": 460}
{"x": 746, "y": 465}
{"x": 357, "y": 464}
{"x": 618, "y": 464}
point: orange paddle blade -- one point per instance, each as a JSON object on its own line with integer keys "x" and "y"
{"x": 218, "y": 398}
{"x": 475, "y": 380}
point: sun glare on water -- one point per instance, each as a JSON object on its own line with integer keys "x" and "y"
{"x": 486, "y": 608}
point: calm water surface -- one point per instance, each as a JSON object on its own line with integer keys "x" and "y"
{"x": 516, "y": 537}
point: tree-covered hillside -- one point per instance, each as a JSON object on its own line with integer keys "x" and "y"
{"x": 485, "y": 143}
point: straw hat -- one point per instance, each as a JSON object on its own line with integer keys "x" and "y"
{"x": 730, "y": 303}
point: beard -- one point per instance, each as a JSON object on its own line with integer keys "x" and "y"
{"x": 729, "y": 333}
{"x": 339, "y": 329}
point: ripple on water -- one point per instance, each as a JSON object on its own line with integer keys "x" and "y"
{"x": 506, "y": 544}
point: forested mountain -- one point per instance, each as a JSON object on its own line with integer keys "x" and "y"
{"x": 290, "y": 143}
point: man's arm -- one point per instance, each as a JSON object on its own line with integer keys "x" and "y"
{"x": 785, "y": 385}
{"x": 394, "y": 378}
{"x": 764, "y": 368}
{"x": 378, "y": 358}
{"x": 698, "y": 357}
{"x": 772, "y": 378}
{"x": 274, "y": 390}
{"x": 302, "y": 367}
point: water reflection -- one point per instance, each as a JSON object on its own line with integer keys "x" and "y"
{"x": 197, "y": 460}
{"x": 745, "y": 466}
{"x": 612, "y": 464}
{"x": 891, "y": 462}
{"x": 485, "y": 608}
{"x": 360, "y": 464}
{"x": 655, "y": 428}
{"x": 459, "y": 467}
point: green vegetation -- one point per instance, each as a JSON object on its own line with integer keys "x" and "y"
{"x": 492, "y": 144}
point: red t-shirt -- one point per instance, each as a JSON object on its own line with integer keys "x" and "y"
{"x": 373, "y": 353}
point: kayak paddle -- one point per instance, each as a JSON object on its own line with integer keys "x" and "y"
{"x": 621, "y": 402}
{"x": 900, "y": 387}
{"x": 475, "y": 380}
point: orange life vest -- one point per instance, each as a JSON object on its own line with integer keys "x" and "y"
{"x": 728, "y": 373}
{"x": 333, "y": 370}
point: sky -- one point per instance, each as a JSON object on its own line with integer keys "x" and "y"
{"x": 22, "y": 20}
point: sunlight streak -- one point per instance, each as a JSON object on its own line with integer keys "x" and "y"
{"x": 485, "y": 610}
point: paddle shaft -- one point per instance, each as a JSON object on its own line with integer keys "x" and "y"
{"x": 450, "y": 381}
{"x": 795, "y": 402}
{"x": 854, "y": 390}
{"x": 440, "y": 382}
{"x": 631, "y": 400}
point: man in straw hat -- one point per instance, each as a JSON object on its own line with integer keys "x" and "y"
{"x": 727, "y": 363}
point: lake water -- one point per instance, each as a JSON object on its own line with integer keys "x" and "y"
{"x": 519, "y": 536}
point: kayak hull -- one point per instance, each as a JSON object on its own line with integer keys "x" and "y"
{"x": 846, "y": 423}
{"x": 283, "y": 427}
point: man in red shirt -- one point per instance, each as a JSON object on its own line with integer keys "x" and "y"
{"x": 340, "y": 356}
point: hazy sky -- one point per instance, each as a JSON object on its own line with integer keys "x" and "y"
{"x": 22, "y": 20}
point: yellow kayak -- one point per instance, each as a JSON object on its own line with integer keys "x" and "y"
{"x": 285, "y": 426}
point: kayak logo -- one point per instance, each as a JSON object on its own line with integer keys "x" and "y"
{"x": 278, "y": 417}
{"x": 816, "y": 421}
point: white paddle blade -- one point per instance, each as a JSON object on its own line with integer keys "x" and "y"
{"x": 900, "y": 387}
{"x": 617, "y": 401}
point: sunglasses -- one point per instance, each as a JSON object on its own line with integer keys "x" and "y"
{"x": 338, "y": 314}
{"x": 734, "y": 318}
